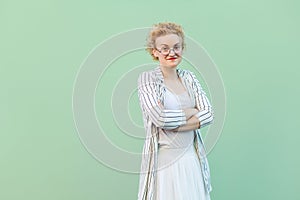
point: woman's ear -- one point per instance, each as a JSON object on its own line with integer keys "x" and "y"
{"x": 154, "y": 52}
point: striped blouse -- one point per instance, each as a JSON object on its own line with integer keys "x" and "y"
{"x": 151, "y": 92}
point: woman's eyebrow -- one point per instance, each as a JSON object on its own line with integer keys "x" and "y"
{"x": 173, "y": 45}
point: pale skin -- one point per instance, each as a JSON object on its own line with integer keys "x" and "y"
{"x": 168, "y": 66}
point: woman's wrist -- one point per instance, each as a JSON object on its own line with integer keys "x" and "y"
{"x": 189, "y": 112}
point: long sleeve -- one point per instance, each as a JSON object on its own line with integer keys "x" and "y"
{"x": 163, "y": 118}
{"x": 205, "y": 114}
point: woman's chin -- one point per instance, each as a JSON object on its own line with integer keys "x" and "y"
{"x": 174, "y": 63}
{"x": 171, "y": 63}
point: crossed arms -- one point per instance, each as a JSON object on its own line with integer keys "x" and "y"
{"x": 177, "y": 120}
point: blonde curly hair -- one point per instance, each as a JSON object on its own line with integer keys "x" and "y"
{"x": 162, "y": 29}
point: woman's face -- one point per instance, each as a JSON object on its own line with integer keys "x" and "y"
{"x": 168, "y": 50}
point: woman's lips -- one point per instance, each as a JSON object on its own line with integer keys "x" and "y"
{"x": 173, "y": 58}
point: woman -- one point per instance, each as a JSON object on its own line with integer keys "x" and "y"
{"x": 174, "y": 106}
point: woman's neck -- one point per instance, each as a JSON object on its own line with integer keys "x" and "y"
{"x": 169, "y": 73}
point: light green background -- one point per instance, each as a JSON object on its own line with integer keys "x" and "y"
{"x": 255, "y": 45}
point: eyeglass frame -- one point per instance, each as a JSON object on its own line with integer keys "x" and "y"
{"x": 169, "y": 51}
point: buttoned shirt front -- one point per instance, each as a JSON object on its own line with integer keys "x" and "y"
{"x": 151, "y": 92}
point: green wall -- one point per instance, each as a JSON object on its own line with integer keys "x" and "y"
{"x": 255, "y": 45}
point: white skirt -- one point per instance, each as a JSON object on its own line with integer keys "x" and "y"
{"x": 179, "y": 175}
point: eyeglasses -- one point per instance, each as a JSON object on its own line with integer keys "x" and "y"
{"x": 166, "y": 50}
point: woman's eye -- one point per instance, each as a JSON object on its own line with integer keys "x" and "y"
{"x": 176, "y": 47}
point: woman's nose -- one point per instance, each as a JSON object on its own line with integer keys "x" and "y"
{"x": 171, "y": 50}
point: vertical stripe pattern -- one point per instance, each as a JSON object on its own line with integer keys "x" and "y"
{"x": 151, "y": 93}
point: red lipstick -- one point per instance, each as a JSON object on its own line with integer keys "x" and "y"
{"x": 172, "y": 58}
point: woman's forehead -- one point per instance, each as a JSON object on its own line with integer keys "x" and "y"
{"x": 169, "y": 40}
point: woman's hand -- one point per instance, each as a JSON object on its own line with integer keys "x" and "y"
{"x": 193, "y": 123}
{"x": 189, "y": 112}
